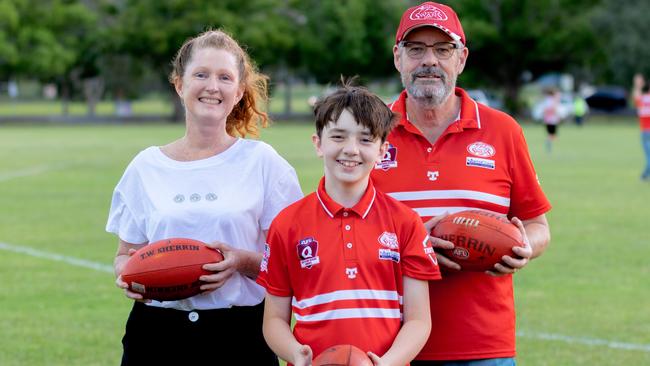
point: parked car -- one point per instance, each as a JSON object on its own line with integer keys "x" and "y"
{"x": 610, "y": 98}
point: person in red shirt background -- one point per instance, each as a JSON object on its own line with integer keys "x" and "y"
{"x": 642, "y": 103}
{"x": 352, "y": 263}
{"x": 449, "y": 153}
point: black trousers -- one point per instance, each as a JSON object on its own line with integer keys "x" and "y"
{"x": 158, "y": 336}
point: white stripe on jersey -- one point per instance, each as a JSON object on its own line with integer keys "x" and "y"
{"x": 451, "y": 194}
{"x": 350, "y": 314}
{"x": 346, "y": 295}
{"x": 435, "y": 211}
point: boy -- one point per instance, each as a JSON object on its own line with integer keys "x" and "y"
{"x": 351, "y": 262}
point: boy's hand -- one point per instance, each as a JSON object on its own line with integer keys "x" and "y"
{"x": 376, "y": 360}
{"x": 302, "y": 356}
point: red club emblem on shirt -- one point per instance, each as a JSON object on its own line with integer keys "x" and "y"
{"x": 481, "y": 149}
{"x": 389, "y": 240}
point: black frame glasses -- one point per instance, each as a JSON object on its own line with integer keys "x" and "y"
{"x": 442, "y": 50}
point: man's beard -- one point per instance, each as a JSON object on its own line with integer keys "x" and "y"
{"x": 428, "y": 91}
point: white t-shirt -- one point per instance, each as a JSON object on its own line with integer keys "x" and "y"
{"x": 230, "y": 197}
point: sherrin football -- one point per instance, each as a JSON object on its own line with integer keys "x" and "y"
{"x": 169, "y": 269}
{"x": 342, "y": 355}
{"x": 481, "y": 238}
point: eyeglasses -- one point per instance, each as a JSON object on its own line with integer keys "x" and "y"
{"x": 442, "y": 50}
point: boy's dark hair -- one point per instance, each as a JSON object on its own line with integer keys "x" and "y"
{"x": 367, "y": 108}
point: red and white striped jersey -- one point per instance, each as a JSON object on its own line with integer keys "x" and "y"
{"x": 481, "y": 161}
{"x": 344, "y": 267}
{"x": 643, "y": 110}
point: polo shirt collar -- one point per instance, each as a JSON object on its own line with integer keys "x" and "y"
{"x": 332, "y": 208}
{"x": 469, "y": 115}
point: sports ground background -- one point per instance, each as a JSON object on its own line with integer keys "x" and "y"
{"x": 586, "y": 301}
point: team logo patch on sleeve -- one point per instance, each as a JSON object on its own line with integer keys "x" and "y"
{"x": 308, "y": 252}
{"x": 389, "y": 160}
{"x": 428, "y": 250}
{"x": 480, "y": 163}
{"x": 264, "y": 266}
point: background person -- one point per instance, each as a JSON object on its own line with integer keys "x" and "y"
{"x": 551, "y": 116}
{"x": 580, "y": 109}
{"x": 449, "y": 153}
{"x": 642, "y": 102}
{"x": 210, "y": 185}
{"x": 351, "y": 262}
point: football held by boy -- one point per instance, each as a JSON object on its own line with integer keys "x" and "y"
{"x": 349, "y": 261}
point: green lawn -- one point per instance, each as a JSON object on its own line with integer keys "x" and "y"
{"x": 590, "y": 288}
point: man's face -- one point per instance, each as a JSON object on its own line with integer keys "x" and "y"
{"x": 428, "y": 79}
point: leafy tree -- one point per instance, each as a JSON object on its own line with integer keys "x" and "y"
{"x": 153, "y": 30}
{"x": 509, "y": 37}
{"x": 347, "y": 38}
{"x": 47, "y": 40}
{"x": 623, "y": 29}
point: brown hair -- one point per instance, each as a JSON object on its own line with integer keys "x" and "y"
{"x": 247, "y": 115}
{"x": 367, "y": 108}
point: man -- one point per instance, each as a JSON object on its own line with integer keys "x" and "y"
{"x": 447, "y": 154}
{"x": 642, "y": 103}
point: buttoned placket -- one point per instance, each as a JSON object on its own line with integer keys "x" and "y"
{"x": 347, "y": 235}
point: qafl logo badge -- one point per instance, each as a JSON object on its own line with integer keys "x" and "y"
{"x": 427, "y": 11}
{"x": 308, "y": 252}
{"x": 389, "y": 160}
{"x": 481, "y": 149}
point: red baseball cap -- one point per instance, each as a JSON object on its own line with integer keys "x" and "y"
{"x": 433, "y": 15}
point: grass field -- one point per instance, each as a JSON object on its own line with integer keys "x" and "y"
{"x": 585, "y": 302}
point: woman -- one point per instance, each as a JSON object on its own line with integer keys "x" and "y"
{"x": 210, "y": 185}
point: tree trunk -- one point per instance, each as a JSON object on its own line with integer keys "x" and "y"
{"x": 65, "y": 98}
{"x": 178, "y": 115}
{"x": 93, "y": 91}
{"x": 512, "y": 103}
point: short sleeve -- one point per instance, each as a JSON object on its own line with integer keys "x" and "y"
{"x": 527, "y": 200}
{"x": 125, "y": 217}
{"x": 274, "y": 274}
{"x": 418, "y": 259}
{"x": 285, "y": 191}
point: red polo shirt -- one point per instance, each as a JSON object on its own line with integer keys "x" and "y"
{"x": 344, "y": 267}
{"x": 480, "y": 161}
{"x": 643, "y": 110}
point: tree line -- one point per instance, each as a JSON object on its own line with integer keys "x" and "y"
{"x": 90, "y": 47}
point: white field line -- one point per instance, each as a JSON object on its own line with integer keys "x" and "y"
{"x": 523, "y": 334}
{"x": 57, "y": 257}
{"x": 35, "y": 170}
{"x": 587, "y": 341}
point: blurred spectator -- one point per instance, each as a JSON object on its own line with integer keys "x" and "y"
{"x": 641, "y": 97}
{"x": 12, "y": 89}
{"x": 551, "y": 116}
{"x": 580, "y": 109}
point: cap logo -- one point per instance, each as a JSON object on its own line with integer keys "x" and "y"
{"x": 426, "y": 12}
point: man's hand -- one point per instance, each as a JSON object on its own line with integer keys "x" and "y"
{"x": 440, "y": 243}
{"x": 509, "y": 264}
